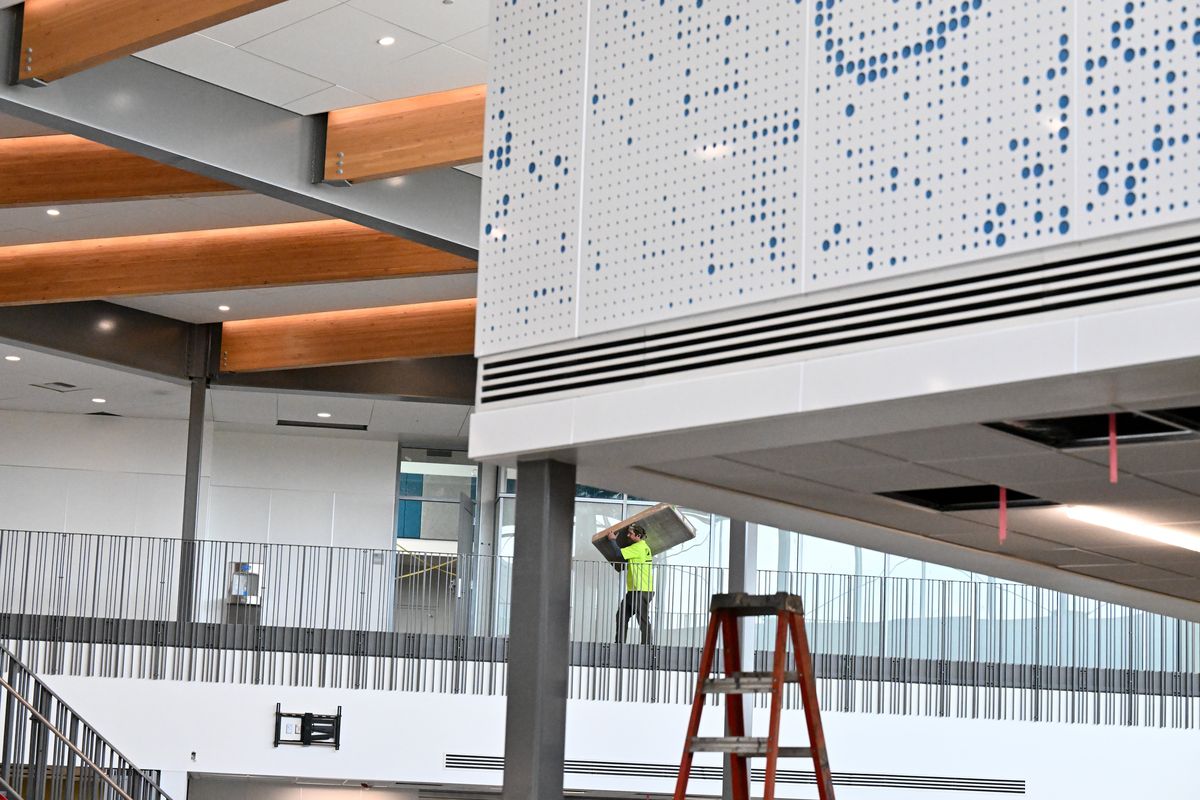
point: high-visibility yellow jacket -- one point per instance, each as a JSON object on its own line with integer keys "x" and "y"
{"x": 638, "y": 574}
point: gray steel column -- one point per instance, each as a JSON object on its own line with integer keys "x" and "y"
{"x": 539, "y": 641}
{"x": 485, "y": 575}
{"x": 191, "y": 497}
{"x": 743, "y": 577}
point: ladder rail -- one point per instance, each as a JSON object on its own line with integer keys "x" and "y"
{"x": 781, "y": 634}
{"x": 812, "y": 709}
{"x": 735, "y": 715}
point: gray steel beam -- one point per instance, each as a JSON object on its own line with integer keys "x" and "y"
{"x": 185, "y": 122}
{"x": 432, "y": 380}
{"x": 105, "y": 334}
{"x": 160, "y": 347}
{"x": 539, "y": 640}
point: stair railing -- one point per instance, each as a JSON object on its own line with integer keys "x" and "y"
{"x": 49, "y": 752}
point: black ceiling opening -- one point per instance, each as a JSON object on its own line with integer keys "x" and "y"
{"x": 966, "y": 498}
{"x": 1091, "y": 430}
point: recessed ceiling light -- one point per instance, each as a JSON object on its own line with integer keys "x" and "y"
{"x": 12, "y": 358}
{"x": 99, "y": 400}
{"x": 106, "y": 325}
{"x": 387, "y": 41}
{"x": 54, "y": 212}
{"x": 222, "y": 308}
{"x": 397, "y": 181}
{"x": 324, "y": 414}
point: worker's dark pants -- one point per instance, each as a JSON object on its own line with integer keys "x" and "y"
{"x": 634, "y": 603}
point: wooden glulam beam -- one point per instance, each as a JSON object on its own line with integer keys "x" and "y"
{"x": 53, "y": 170}
{"x": 382, "y": 140}
{"x": 418, "y": 330}
{"x": 325, "y": 251}
{"x": 62, "y": 37}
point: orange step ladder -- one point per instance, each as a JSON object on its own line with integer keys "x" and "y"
{"x": 724, "y": 611}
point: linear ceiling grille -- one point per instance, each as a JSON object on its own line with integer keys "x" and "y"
{"x": 1065, "y": 284}
{"x": 799, "y": 777}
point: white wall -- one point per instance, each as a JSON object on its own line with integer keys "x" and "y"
{"x": 403, "y": 737}
{"x": 301, "y": 490}
{"x": 125, "y": 476}
{"x": 90, "y": 474}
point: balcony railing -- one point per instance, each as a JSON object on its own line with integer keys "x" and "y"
{"x": 304, "y": 615}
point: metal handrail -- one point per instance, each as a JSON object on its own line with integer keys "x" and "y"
{"x": 74, "y": 747}
{"x": 148, "y": 787}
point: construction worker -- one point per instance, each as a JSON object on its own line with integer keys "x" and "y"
{"x": 639, "y": 582}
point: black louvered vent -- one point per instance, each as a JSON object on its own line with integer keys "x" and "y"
{"x": 789, "y": 776}
{"x": 1065, "y": 284}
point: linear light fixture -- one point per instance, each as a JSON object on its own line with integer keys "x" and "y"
{"x": 1124, "y": 524}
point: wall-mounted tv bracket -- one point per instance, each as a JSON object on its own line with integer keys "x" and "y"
{"x": 322, "y": 730}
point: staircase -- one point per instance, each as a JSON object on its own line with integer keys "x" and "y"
{"x": 49, "y": 752}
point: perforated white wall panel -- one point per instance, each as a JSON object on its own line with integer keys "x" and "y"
{"x": 532, "y": 178}
{"x": 694, "y": 158}
{"x": 941, "y": 133}
{"x": 749, "y": 150}
{"x": 1141, "y": 157}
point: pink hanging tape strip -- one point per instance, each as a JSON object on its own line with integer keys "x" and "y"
{"x": 1003, "y": 514}
{"x": 1112, "y": 448}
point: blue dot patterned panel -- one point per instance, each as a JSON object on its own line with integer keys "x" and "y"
{"x": 533, "y": 158}
{"x": 727, "y": 153}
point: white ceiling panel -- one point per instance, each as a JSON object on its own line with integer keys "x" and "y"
{"x": 1188, "y": 481}
{"x": 1150, "y": 459}
{"x": 275, "y": 302}
{"x": 341, "y": 47}
{"x": 419, "y": 420}
{"x": 476, "y": 43}
{"x": 810, "y": 459}
{"x": 238, "y": 32}
{"x": 330, "y": 99}
{"x": 1126, "y": 572}
{"x": 431, "y": 70}
{"x": 898, "y": 478}
{"x": 943, "y": 444}
{"x": 124, "y": 393}
{"x": 475, "y": 169}
{"x": 341, "y": 410}
{"x": 1017, "y": 471}
{"x": 234, "y": 68}
{"x": 433, "y": 19}
{"x": 1132, "y": 494}
{"x": 258, "y": 408}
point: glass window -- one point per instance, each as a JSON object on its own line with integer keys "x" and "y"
{"x": 435, "y": 493}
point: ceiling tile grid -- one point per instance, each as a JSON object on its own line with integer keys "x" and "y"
{"x": 1159, "y": 484}
{"x": 312, "y": 56}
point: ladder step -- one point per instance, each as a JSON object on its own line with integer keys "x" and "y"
{"x": 744, "y": 746}
{"x": 746, "y": 682}
{"x": 741, "y": 604}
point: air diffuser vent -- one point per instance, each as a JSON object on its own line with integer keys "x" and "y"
{"x": 62, "y": 387}
{"x": 812, "y": 327}
{"x": 337, "y": 426}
